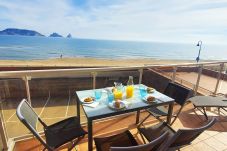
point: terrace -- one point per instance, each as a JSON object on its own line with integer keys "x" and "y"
{"x": 51, "y": 93}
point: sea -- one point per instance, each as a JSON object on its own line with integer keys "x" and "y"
{"x": 32, "y": 48}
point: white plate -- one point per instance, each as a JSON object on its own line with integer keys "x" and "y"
{"x": 122, "y": 105}
{"x": 145, "y": 99}
{"x": 82, "y": 100}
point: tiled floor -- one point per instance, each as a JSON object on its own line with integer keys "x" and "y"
{"x": 214, "y": 139}
{"x": 50, "y": 109}
{"x": 206, "y": 82}
{"x": 206, "y": 85}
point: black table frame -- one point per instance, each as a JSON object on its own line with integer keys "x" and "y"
{"x": 205, "y": 104}
{"x": 90, "y": 120}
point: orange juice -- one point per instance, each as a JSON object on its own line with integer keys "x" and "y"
{"x": 129, "y": 91}
{"x": 118, "y": 95}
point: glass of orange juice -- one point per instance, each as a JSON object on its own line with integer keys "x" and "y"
{"x": 129, "y": 91}
{"x": 118, "y": 91}
{"x": 118, "y": 94}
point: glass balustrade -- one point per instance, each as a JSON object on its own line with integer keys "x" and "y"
{"x": 53, "y": 98}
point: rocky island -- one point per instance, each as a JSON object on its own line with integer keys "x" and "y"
{"x": 69, "y": 36}
{"x": 26, "y": 32}
{"x": 55, "y": 35}
{"x": 22, "y": 32}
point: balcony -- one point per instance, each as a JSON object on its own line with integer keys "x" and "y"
{"x": 210, "y": 140}
{"x": 51, "y": 93}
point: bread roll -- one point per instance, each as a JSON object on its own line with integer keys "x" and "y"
{"x": 88, "y": 99}
{"x": 117, "y": 104}
{"x": 150, "y": 99}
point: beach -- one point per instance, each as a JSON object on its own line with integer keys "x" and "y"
{"x": 87, "y": 62}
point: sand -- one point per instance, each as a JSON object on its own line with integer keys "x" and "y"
{"x": 86, "y": 62}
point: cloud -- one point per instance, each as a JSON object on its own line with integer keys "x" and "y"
{"x": 164, "y": 20}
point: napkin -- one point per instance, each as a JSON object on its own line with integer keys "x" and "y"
{"x": 128, "y": 102}
{"x": 93, "y": 105}
{"x": 158, "y": 96}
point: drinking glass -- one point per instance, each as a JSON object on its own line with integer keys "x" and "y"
{"x": 143, "y": 91}
{"x": 98, "y": 94}
{"x": 118, "y": 95}
{"x": 110, "y": 97}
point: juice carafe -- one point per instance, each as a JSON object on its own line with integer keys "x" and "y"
{"x": 130, "y": 88}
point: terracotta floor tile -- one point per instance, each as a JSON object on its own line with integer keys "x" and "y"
{"x": 188, "y": 148}
{"x": 222, "y": 137}
{"x": 211, "y": 133}
{"x": 197, "y": 140}
{"x": 203, "y": 147}
{"x": 203, "y": 136}
{"x": 214, "y": 143}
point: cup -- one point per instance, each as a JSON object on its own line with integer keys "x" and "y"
{"x": 98, "y": 94}
{"x": 110, "y": 97}
{"x": 118, "y": 95}
{"x": 143, "y": 91}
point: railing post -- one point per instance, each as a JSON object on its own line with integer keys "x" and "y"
{"x": 3, "y": 130}
{"x": 141, "y": 76}
{"x": 198, "y": 79}
{"x": 174, "y": 73}
{"x": 26, "y": 79}
{"x": 219, "y": 77}
{"x": 94, "y": 74}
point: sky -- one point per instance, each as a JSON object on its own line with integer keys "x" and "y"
{"x": 138, "y": 20}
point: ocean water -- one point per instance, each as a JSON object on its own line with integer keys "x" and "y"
{"x": 29, "y": 48}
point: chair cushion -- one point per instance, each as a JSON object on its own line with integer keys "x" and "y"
{"x": 158, "y": 111}
{"x": 63, "y": 132}
{"x": 155, "y": 131}
{"x": 124, "y": 139}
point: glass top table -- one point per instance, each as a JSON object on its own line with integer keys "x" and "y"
{"x": 209, "y": 101}
{"x": 202, "y": 102}
{"x": 102, "y": 110}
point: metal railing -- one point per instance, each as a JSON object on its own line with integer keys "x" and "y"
{"x": 94, "y": 73}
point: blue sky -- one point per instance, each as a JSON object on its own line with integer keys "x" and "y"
{"x": 144, "y": 20}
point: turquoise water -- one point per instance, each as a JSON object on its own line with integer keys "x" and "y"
{"x": 27, "y": 48}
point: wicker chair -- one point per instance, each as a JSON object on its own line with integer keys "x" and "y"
{"x": 179, "y": 93}
{"x": 126, "y": 142}
{"x": 68, "y": 130}
{"x": 176, "y": 139}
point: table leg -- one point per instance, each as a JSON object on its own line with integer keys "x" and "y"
{"x": 137, "y": 117}
{"x": 170, "y": 113}
{"x": 78, "y": 107}
{"x": 90, "y": 135}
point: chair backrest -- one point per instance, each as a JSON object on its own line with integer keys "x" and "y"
{"x": 146, "y": 147}
{"x": 186, "y": 136}
{"x": 179, "y": 93}
{"x": 29, "y": 118}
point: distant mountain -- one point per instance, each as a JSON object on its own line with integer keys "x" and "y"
{"x": 69, "y": 36}
{"x": 22, "y": 32}
{"x": 55, "y": 35}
